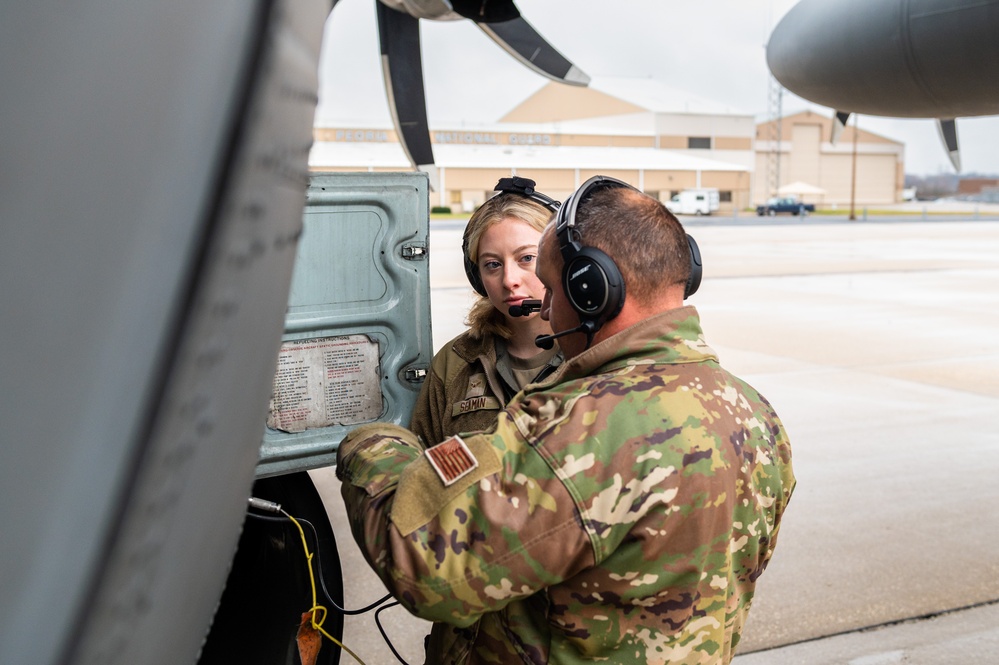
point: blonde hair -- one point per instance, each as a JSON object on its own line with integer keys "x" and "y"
{"x": 483, "y": 318}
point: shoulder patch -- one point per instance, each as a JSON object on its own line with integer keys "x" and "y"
{"x": 420, "y": 495}
{"x": 451, "y": 460}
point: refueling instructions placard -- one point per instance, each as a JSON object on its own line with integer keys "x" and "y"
{"x": 324, "y": 382}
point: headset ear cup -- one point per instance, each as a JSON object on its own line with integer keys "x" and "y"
{"x": 472, "y": 270}
{"x": 696, "y": 268}
{"x": 593, "y": 285}
{"x": 472, "y": 273}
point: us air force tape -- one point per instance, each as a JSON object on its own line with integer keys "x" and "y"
{"x": 451, "y": 460}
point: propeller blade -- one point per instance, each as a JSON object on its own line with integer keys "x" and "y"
{"x": 948, "y": 134}
{"x": 839, "y": 124}
{"x": 402, "y": 68}
{"x": 523, "y": 42}
{"x": 486, "y": 12}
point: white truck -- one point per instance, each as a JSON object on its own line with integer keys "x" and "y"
{"x": 703, "y": 201}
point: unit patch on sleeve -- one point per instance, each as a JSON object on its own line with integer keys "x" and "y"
{"x": 451, "y": 460}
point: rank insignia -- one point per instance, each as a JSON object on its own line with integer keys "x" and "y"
{"x": 476, "y": 386}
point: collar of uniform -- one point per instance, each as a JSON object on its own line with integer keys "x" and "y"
{"x": 672, "y": 337}
{"x": 470, "y": 349}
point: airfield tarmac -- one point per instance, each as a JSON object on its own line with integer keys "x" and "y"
{"x": 878, "y": 344}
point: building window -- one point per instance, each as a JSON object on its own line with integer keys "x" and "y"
{"x": 725, "y": 196}
{"x": 699, "y": 143}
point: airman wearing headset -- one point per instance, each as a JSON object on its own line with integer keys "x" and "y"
{"x": 620, "y": 511}
{"x": 475, "y": 374}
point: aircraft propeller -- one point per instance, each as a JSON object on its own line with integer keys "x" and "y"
{"x": 948, "y": 134}
{"x": 402, "y": 61}
{"x": 947, "y": 129}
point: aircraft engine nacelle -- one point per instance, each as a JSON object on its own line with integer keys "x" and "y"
{"x": 896, "y": 58}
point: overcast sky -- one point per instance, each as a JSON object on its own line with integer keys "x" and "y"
{"x": 713, "y": 48}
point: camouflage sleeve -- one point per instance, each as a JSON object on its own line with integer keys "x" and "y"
{"x": 372, "y": 456}
{"x": 453, "y": 552}
{"x": 782, "y": 481}
{"x": 369, "y": 462}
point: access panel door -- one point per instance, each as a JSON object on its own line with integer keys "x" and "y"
{"x": 357, "y": 339}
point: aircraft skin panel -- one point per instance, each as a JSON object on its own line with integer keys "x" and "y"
{"x": 188, "y": 497}
{"x": 99, "y": 239}
{"x": 916, "y": 59}
{"x": 151, "y": 203}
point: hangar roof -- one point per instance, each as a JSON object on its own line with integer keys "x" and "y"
{"x": 655, "y": 96}
{"x": 390, "y": 155}
{"x": 613, "y": 97}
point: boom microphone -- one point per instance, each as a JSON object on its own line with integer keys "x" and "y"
{"x": 548, "y": 341}
{"x": 525, "y": 308}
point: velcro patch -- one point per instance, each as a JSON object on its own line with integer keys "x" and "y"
{"x": 451, "y": 460}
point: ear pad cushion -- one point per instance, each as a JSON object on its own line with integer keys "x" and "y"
{"x": 696, "y": 268}
{"x": 593, "y": 284}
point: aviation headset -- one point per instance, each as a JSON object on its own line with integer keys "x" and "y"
{"x": 515, "y": 185}
{"x": 592, "y": 281}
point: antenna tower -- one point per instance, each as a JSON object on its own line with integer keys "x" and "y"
{"x": 775, "y": 98}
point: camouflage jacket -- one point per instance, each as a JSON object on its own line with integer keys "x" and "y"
{"x": 622, "y": 511}
{"x": 463, "y": 391}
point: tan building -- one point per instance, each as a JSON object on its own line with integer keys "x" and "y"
{"x": 804, "y": 162}
{"x": 974, "y": 186}
{"x": 658, "y": 139}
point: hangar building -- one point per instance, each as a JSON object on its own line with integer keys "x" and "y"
{"x": 638, "y": 130}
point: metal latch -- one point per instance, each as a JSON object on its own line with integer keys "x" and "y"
{"x": 414, "y": 252}
{"x": 416, "y": 374}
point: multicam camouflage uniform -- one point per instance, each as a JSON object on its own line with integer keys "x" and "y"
{"x": 621, "y": 513}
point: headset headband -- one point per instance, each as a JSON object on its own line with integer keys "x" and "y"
{"x": 565, "y": 221}
{"x": 514, "y": 185}
{"x": 568, "y": 236}
{"x": 525, "y": 187}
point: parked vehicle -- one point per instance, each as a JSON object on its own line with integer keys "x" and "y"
{"x": 789, "y": 204}
{"x": 702, "y": 201}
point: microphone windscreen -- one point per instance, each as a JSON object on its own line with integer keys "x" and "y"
{"x": 545, "y": 342}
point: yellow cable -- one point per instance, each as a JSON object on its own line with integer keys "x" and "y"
{"x": 318, "y": 625}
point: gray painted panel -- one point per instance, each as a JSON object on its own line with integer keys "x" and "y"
{"x": 115, "y": 118}
{"x": 151, "y": 188}
{"x": 352, "y": 277}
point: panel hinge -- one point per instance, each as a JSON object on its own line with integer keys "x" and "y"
{"x": 416, "y": 374}
{"x": 414, "y": 252}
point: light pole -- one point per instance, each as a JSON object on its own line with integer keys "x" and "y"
{"x": 853, "y": 176}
